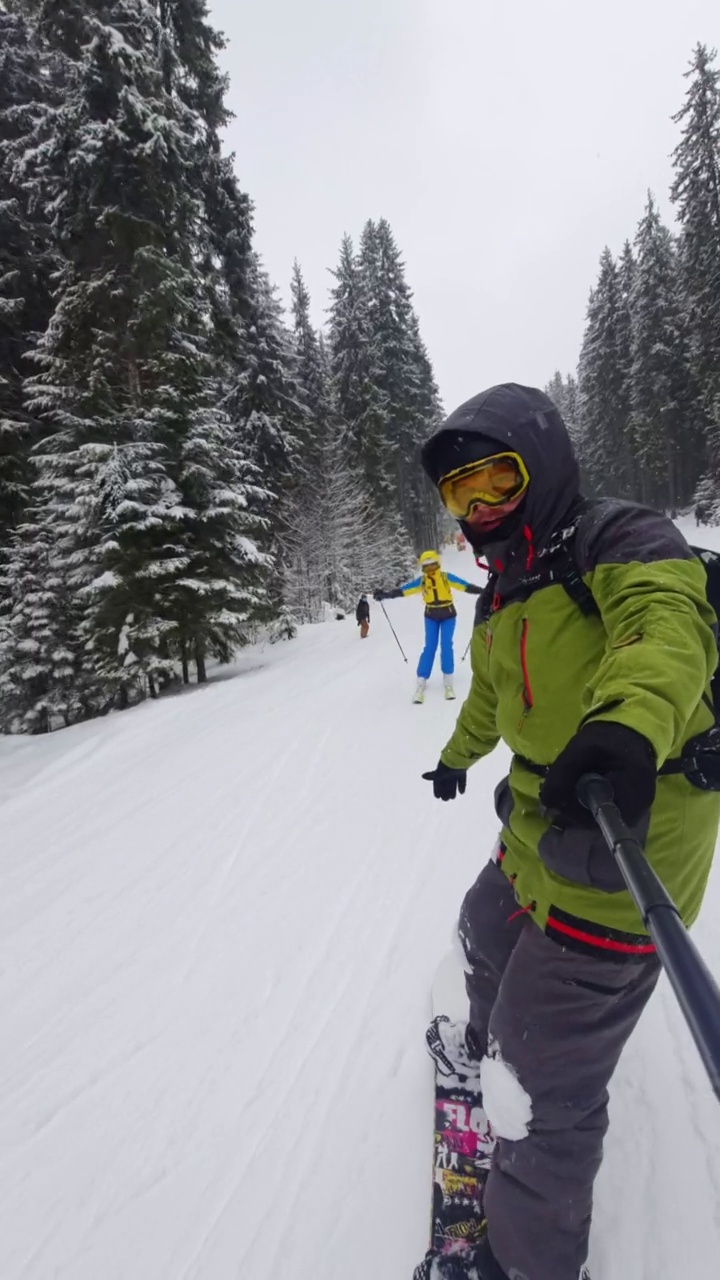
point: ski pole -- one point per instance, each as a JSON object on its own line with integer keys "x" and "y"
{"x": 467, "y": 650}
{"x": 695, "y": 988}
{"x": 382, "y": 606}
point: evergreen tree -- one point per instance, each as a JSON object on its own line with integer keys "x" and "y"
{"x": 355, "y": 370}
{"x": 227, "y": 268}
{"x": 604, "y": 410}
{"x": 189, "y": 59}
{"x": 626, "y": 280}
{"x": 665, "y": 445}
{"x": 228, "y": 264}
{"x": 311, "y": 369}
{"x": 335, "y": 543}
{"x": 564, "y": 394}
{"x": 140, "y": 532}
{"x": 348, "y": 340}
{"x": 423, "y": 515}
{"x": 265, "y": 405}
{"x": 188, "y": 448}
{"x": 696, "y": 193}
{"x": 264, "y": 400}
{"x": 385, "y": 387}
{"x": 406, "y": 377}
{"x": 27, "y": 82}
{"x": 306, "y": 552}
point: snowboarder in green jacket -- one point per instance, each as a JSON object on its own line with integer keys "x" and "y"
{"x": 592, "y": 652}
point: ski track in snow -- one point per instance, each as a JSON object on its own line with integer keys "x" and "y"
{"x": 220, "y": 920}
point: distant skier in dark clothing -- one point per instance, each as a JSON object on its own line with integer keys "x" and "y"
{"x": 362, "y": 614}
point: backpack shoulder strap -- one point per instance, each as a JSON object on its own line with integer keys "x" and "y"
{"x": 578, "y": 591}
{"x": 565, "y": 570}
{"x": 484, "y": 603}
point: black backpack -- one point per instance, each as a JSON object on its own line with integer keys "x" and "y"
{"x": 711, "y": 561}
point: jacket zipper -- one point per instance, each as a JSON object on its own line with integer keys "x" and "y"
{"x": 527, "y": 694}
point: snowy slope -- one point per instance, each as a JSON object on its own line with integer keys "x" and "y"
{"x": 219, "y": 922}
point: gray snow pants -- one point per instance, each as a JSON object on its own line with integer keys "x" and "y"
{"x": 561, "y": 1020}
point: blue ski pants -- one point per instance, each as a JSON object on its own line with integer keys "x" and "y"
{"x": 434, "y": 631}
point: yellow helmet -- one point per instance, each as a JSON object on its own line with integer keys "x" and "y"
{"x": 429, "y": 558}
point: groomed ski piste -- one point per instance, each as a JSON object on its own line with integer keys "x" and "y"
{"x": 220, "y": 917}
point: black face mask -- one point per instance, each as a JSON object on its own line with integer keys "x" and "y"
{"x": 479, "y": 541}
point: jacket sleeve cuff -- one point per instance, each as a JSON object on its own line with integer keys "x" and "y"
{"x": 656, "y": 733}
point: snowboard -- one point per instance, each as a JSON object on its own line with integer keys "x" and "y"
{"x": 462, "y": 1142}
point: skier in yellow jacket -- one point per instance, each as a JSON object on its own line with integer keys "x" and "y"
{"x": 436, "y": 588}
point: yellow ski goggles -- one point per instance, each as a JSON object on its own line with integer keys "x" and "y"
{"x": 491, "y": 481}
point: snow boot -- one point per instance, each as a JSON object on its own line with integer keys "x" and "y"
{"x": 447, "y": 1266}
{"x": 449, "y": 691}
{"x": 477, "y": 1262}
{"x": 420, "y": 691}
{"x": 452, "y": 1047}
{"x": 474, "y": 1263}
{"x": 463, "y": 1263}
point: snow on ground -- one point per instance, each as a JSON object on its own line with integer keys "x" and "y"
{"x": 219, "y": 923}
{"x": 707, "y": 536}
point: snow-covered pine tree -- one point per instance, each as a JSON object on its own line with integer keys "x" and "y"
{"x": 191, "y": 46}
{"x": 264, "y": 403}
{"x": 237, "y": 290}
{"x": 362, "y": 553}
{"x": 83, "y": 163}
{"x": 126, "y": 375}
{"x": 311, "y": 373}
{"x": 626, "y": 278}
{"x": 423, "y": 515}
{"x": 306, "y": 554}
{"x": 264, "y": 400}
{"x": 27, "y": 81}
{"x": 221, "y": 591}
{"x": 564, "y": 393}
{"x": 356, "y": 374}
{"x": 602, "y": 384}
{"x": 407, "y": 382}
{"x": 47, "y": 680}
{"x": 348, "y": 341}
{"x": 397, "y": 368}
{"x": 665, "y": 443}
{"x": 336, "y": 540}
{"x": 227, "y": 261}
{"x": 384, "y": 384}
{"x": 696, "y": 193}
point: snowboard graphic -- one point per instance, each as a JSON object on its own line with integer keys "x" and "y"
{"x": 463, "y": 1143}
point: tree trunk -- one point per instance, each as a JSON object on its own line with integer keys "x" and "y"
{"x": 185, "y": 663}
{"x": 671, "y": 477}
{"x": 200, "y": 662}
{"x": 151, "y": 687}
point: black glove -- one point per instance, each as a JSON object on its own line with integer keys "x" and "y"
{"x": 387, "y": 595}
{"x": 379, "y": 595}
{"x": 617, "y": 753}
{"x": 446, "y": 781}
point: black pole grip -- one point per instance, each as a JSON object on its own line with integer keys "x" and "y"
{"x": 695, "y": 987}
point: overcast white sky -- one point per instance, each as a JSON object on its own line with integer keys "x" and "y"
{"x": 506, "y": 142}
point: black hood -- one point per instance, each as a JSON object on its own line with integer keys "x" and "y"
{"x": 522, "y": 419}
